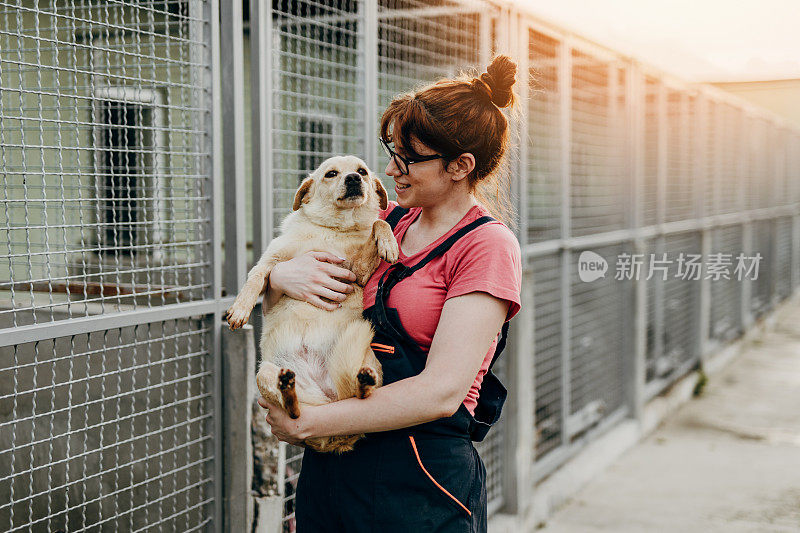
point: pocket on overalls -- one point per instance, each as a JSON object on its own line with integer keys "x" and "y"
{"x": 460, "y": 501}
{"x": 424, "y": 487}
{"x": 394, "y": 363}
{"x": 490, "y": 405}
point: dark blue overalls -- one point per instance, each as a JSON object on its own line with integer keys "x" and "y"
{"x": 425, "y": 478}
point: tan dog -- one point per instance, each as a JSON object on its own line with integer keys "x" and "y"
{"x": 310, "y": 355}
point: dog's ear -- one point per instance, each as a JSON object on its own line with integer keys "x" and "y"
{"x": 383, "y": 198}
{"x": 300, "y": 195}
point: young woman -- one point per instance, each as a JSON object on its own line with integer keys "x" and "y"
{"x": 437, "y": 319}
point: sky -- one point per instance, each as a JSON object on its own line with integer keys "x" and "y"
{"x": 697, "y": 40}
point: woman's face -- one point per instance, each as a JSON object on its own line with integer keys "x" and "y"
{"x": 426, "y": 184}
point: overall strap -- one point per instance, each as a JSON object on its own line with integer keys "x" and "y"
{"x": 395, "y": 215}
{"x": 501, "y": 344}
{"x": 398, "y": 271}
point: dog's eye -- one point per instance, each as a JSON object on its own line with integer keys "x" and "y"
{"x": 362, "y": 171}
{"x": 331, "y": 173}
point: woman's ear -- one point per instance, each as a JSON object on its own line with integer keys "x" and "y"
{"x": 383, "y": 198}
{"x": 461, "y": 166}
{"x": 300, "y": 195}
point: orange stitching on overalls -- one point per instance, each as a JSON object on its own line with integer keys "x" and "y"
{"x": 414, "y": 445}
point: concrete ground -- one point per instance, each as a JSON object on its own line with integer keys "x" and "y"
{"x": 727, "y": 461}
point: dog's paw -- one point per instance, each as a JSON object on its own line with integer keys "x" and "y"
{"x": 388, "y": 249}
{"x": 367, "y": 379}
{"x": 366, "y": 376}
{"x": 285, "y": 379}
{"x": 237, "y": 317}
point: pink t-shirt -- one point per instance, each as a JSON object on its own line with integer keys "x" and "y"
{"x": 487, "y": 259}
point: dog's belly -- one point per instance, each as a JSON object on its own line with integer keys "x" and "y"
{"x": 300, "y": 336}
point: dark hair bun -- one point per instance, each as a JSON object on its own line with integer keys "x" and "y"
{"x": 495, "y": 84}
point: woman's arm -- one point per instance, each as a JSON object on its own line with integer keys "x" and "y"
{"x": 467, "y": 327}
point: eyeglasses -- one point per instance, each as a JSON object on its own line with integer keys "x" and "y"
{"x": 403, "y": 162}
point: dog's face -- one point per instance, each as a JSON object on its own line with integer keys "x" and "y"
{"x": 341, "y": 183}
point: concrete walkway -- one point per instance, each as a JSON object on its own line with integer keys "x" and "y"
{"x": 728, "y": 461}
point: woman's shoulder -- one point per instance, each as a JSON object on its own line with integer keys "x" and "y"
{"x": 494, "y": 234}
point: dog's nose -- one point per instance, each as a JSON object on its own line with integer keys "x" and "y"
{"x": 352, "y": 179}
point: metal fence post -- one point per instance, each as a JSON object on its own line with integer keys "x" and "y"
{"x": 236, "y": 442}
{"x": 700, "y": 172}
{"x": 232, "y": 96}
{"x": 747, "y": 224}
{"x": 239, "y": 359}
{"x": 214, "y": 147}
{"x": 565, "y": 115}
{"x": 520, "y": 435}
{"x": 793, "y": 175}
{"x": 261, "y": 126}
{"x": 635, "y": 372}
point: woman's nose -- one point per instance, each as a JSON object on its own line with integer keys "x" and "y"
{"x": 391, "y": 168}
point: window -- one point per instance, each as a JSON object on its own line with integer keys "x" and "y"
{"x": 128, "y": 166}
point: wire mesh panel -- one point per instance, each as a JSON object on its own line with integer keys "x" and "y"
{"x": 317, "y": 91}
{"x": 783, "y": 188}
{"x": 652, "y": 121}
{"x": 725, "y": 322}
{"x": 683, "y": 270}
{"x": 680, "y": 183}
{"x": 760, "y": 191}
{"x": 712, "y": 146}
{"x": 763, "y": 284}
{"x": 108, "y": 431}
{"x": 544, "y": 130}
{"x": 769, "y": 177}
{"x": 731, "y": 178}
{"x": 749, "y": 164}
{"x": 793, "y": 164}
{"x": 547, "y": 301}
{"x": 293, "y": 460}
{"x": 597, "y": 342}
{"x": 674, "y": 269}
{"x": 655, "y": 311}
{"x": 783, "y": 257}
{"x": 103, "y": 114}
{"x": 598, "y": 185}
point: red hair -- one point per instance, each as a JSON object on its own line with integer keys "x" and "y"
{"x": 455, "y": 116}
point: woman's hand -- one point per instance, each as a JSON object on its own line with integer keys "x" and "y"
{"x": 311, "y": 277}
{"x": 284, "y": 427}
